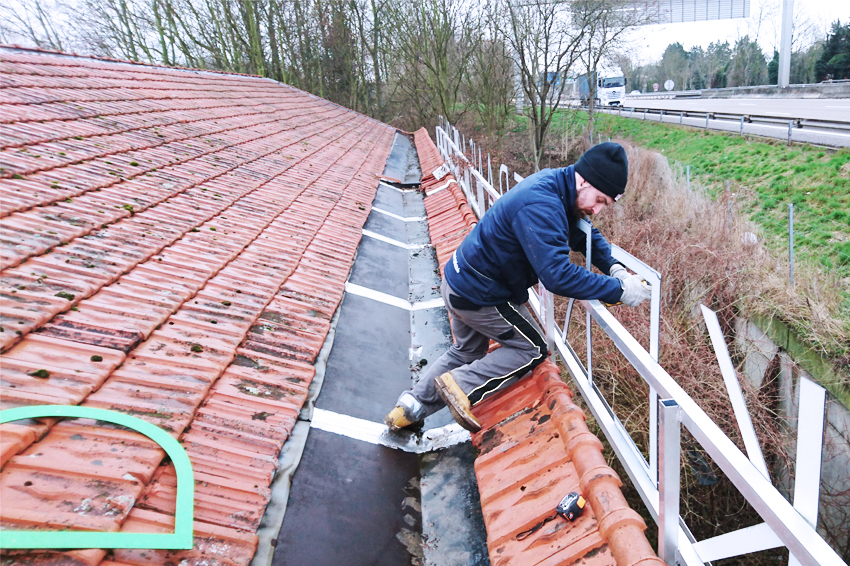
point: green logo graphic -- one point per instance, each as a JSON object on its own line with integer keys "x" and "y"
{"x": 183, "y": 517}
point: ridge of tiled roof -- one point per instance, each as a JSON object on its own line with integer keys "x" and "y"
{"x": 45, "y": 51}
{"x": 449, "y": 216}
{"x": 523, "y": 471}
{"x": 177, "y": 68}
{"x": 181, "y": 261}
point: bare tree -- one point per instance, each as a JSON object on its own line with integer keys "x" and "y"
{"x": 434, "y": 41}
{"x": 490, "y": 87}
{"x": 31, "y": 20}
{"x": 371, "y": 28}
{"x": 545, "y": 45}
{"x": 115, "y": 28}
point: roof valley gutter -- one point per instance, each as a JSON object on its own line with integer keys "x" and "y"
{"x": 290, "y": 456}
{"x": 388, "y": 284}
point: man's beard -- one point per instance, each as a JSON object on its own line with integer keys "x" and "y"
{"x": 575, "y": 214}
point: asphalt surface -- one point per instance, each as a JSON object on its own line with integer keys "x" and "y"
{"x": 777, "y": 111}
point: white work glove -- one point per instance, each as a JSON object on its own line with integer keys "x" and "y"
{"x": 635, "y": 291}
{"x": 619, "y": 272}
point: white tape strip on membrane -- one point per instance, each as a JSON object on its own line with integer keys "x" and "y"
{"x": 396, "y": 243}
{"x": 391, "y": 300}
{"x": 376, "y": 433}
{"x": 388, "y": 186}
{"x": 397, "y": 217}
{"x": 438, "y": 189}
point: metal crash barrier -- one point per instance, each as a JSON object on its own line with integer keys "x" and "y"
{"x": 657, "y": 479}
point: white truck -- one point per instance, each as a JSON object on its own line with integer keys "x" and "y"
{"x": 610, "y": 87}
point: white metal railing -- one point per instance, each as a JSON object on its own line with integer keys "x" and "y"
{"x": 657, "y": 480}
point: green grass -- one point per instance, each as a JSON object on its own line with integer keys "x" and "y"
{"x": 773, "y": 175}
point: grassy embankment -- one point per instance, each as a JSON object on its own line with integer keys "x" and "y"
{"x": 770, "y": 175}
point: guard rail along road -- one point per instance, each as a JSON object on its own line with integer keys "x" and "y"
{"x": 657, "y": 480}
{"x": 823, "y": 122}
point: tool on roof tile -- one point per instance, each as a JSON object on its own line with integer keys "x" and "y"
{"x": 645, "y": 284}
{"x": 570, "y": 507}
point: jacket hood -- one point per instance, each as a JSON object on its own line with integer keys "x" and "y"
{"x": 567, "y": 186}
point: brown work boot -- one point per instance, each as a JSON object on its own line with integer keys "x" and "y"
{"x": 457, "y": 402}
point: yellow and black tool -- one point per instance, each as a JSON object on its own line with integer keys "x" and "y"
{"x": 570, "y": 507}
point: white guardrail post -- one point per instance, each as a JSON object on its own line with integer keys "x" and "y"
{"x": 656, "y": 481}
{"x": 668, "y": 482}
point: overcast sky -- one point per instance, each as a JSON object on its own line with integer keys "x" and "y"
{"x": 650, "y": 41}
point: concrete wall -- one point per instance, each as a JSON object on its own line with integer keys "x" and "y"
{"x": 760, "y": 353}
{"x": 820, "y": 90}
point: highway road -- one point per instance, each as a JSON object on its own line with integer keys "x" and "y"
{"x": 833, "y": 109}
{"x": 778, "y": 111}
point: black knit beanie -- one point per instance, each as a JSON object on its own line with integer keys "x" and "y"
{"x": 606, "y": 167}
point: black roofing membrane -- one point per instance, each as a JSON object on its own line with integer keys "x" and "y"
{"x": 354, "y": 503}
{"x": 381, "y": 267}
{"x": 350, "y": 505}
{"x": 369, "y": 365}
{"x": 395, "y": 229}
{"x": 391, "y": 200}
{"x": 403, "y": 162}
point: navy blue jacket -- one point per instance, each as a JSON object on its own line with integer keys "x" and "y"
{"x": 527, "y": 236}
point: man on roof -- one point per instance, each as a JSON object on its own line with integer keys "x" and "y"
{"x": 524, "y": 238}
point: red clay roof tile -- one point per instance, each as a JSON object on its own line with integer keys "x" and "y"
{"x": 204, "y": 226}
{"x": 535, "y": 448}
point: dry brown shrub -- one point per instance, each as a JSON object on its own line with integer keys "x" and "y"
{"x": 709, "y": 253}
{"x": 706, "y": 256}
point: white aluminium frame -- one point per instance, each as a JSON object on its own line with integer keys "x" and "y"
{"x": 784, "y": 524}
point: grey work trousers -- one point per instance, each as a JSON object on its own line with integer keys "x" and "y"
{"x": 478, "y": 373}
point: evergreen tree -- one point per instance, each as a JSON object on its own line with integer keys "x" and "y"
{"x": 748, "y": 66}
{"x": 773, "y": 69}
{"x": 834, "y": 62}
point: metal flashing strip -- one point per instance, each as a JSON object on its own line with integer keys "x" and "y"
{"x": 355, "y": 289}
{"x": 377, "y": 433}
{"x": 376, "y": 236}
{"x": 397, "y": 217}
{"x": 440, "y": 188}
{"x": 387, "y": 185}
